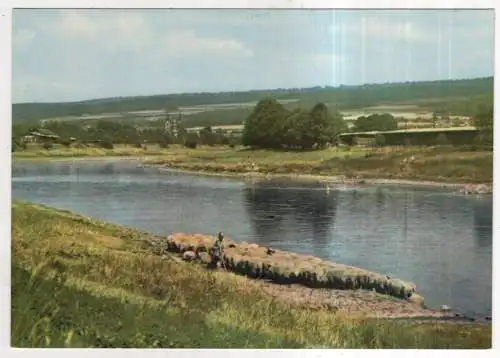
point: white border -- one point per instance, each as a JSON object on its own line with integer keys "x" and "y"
{"x": 339, "y": 4}
{"x": 5, "y": 122}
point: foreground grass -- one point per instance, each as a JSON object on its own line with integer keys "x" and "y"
{"x": 444, "y": 164}
{"x": 78, "y": 282}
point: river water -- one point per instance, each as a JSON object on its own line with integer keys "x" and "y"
{"x": 440, "y": 241}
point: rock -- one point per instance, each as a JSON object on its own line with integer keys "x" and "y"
{"x": 416, "y": 299}
{"x": 189, "y": 256}
{"x": 445, "y": 308}
{"x": 488, "y": 318}
{"x": 270, "y": 251}
{"x": 205, "y": 257}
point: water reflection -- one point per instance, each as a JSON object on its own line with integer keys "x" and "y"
{"x": 305, "y": 211}
{"x": 483, "y": 224}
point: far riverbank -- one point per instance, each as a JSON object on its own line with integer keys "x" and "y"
{"x": 433, "y": 166}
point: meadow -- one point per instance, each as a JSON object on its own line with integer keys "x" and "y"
{"x": 440, "y": 163}
{"x": 80, "y": 282}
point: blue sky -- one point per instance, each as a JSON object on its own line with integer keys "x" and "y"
{"x": 62, "y": 55}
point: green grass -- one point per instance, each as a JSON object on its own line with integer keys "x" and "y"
{"x": 444, "y": 164}
{"x": 36, "y": 152}
{"x": 78, "y": 282}
{"x": 433, "y": 163}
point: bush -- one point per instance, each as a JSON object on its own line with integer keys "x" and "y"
{"x": 80, "y": 145}
{"x": 480, "y": 143}
{"x": 163, "y": 144}
{"x": 106, "y": 145}
{"x": 379, "y": 140}
{"x": 47, "y": 145}
{"x": 17, "y": 145}
{"x": 65, "y": 142}
{"x": 442, "y": 140}
{"x": 190, "y": 143}
{"x": 138, "y": 145}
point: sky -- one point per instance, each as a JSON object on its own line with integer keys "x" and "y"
{"x": 76, "y": 54}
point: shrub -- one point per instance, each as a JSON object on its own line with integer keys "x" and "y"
{"x": 379, "y": 140}
{"x": 106, "y": 145}
{"x": 138, "y": 145}
{"x": 17, "y": 145}
{"x": 47, "y": 145}
{"x": 80, "y": 145}
{"x": 163, "y": 144}
{"x": 189, "y": 143}
{"x": 442, "y": 140}
{"x": 65, "y": 142}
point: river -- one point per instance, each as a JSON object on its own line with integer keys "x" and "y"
{"x": 440, "y": 241}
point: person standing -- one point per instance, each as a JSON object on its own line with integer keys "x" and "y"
{"x": 216, "y": 252}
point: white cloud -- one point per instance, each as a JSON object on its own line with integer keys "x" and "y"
{"x": 73, "y": 24}
{"x": 22, "y": 37}
{"x": 127, "y": 30}
{"x": 188, "y": 43}
{"x": 49, "y": 88}
{"x": 109, "y": 29}
{"x": 390, "y": 29}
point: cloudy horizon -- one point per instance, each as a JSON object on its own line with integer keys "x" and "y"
{"x": 72, "y": 55}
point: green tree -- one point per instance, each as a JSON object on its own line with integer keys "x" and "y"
{"x": 380, "y": 140}
{"x": 483, "y": 120}
{"x": 376, "y": 122}
{"x": 265, "y": 126}
{"x": 322, "y": 127}
{"x": 294, "y": 128}
{"x": 191, "y": 140}
{"x": 207, "y": 136}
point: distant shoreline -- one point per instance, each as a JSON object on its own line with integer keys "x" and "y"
{"x": 311, "y": 178}
{"x": 306, "y": 178}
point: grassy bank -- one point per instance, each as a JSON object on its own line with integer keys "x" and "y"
{"x": 78, "y": 282}
{"x": 34, "y": 152}
{"x": 442, "y": 164}
{"x": 433, "y": 164}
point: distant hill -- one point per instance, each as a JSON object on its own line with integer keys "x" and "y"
{"x": 343, "y": 96}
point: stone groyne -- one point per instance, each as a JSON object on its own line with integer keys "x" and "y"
{"x": 284, "y": 267}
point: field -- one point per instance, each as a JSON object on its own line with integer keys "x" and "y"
{"x": 443, "y": 164}
{"x": 78, "y": 282}
{"x": 411, "y": 116}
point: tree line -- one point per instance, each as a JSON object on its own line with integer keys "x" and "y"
{"x": 269, "y": 125}
{"x": 343, "y": 96}
{"x": 108, "y": 133}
